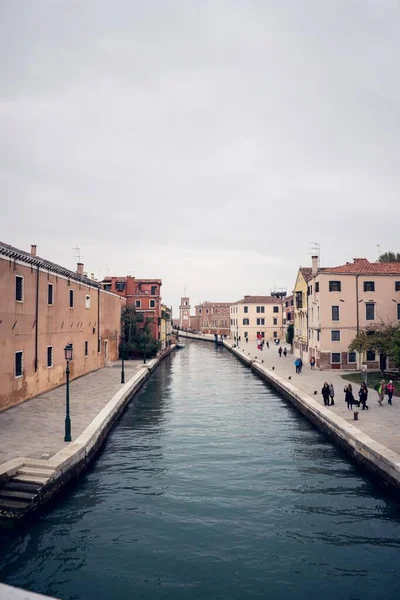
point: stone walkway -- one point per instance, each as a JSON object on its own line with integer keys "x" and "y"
{"x": 381, "y": 423}
{"x": 35, "y": 429}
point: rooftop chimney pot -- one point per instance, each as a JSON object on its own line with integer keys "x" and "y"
{"x": 79, "y": 268}
{"x": 33, "y": 249}
{"x": 315, "y": 264}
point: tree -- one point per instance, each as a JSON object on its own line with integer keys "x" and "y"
{"x": 289, "y": 334}
{"x": 137, "y": 338}
{"x": 382, "y": 338}
{"x": 389, "y": 257}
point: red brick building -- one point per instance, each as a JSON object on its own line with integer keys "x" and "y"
{"x": 212, "y": 317}
{"x": 143, "y": 294}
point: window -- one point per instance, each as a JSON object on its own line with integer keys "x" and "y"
{"x": 137, "y": 304}
{"x": 260, "y": 309}
{"x": 369, "y": 286}
{"x": 199, "y": 311}
{"x": 19, "y": 288}
{"x": 335, "y": 336}
{"x": 370, "y": 355}
{"x": 352, "y": 357}
{"x": 276, "y": 309}
{"x": 86, "y": 348}
{"x": 107, "y": 287}
{"x": 398, "y": 311}
{"x": 71, "y": 298}
{"x": 318, "y": 334}
{"x": 50, "y": 296}
{"x": 246, "y": 309}
{"x": 120, "y": 286}
{"x": 246, "y": 322}
{"x": 369, "y": 311}
{"x": 19, "y": 364}
{"x": 153, "y": 291}
{"x": 309, "y": 290}
{"x": 335, "y": 313}
{"x": 207, "y": 311}
{"x": 87, "y": 301}
{"x": 276, "y": 321}
{"x": 152, "y": 303}
{"x": 275, "y": 334}
{"x": 335, "y": 358}
{"x": 49, "y": 356}
{"x": 317, "y": 286}
{"x": 260, "y": 321}
{"x": 98, "y": 345}
{"x": 397, "y": 286}
{"x": 335, "y": 286}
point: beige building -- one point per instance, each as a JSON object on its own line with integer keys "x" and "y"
{"x": 344, "y": 300}
{"x": 165, "y": 326}
{"x": 257, "y": 315}
{"x": 300, "y": 305}
{"x": 43, "y": 308}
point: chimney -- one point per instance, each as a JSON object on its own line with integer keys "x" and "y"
{"x": 79, "y": 268}
{"x": 315, "y": 264}
{"x": 92, "y": 276}
{"x": 33, "y": 249}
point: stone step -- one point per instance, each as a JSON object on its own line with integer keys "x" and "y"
{"x": 34, "y": 471}
{"x": 15, "y": 505}
{"x": 32, "y": 488}
{"x": 31, "y": 479}
{"x": 16, "y": 495}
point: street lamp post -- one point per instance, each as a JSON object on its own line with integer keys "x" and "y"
{"x": 122, "y": 362}
{"x": 68, "y": 351}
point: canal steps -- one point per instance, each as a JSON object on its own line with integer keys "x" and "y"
{"x": 27, "y": 485}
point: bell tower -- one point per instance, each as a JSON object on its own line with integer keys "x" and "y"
{"x": 184, "y": 312}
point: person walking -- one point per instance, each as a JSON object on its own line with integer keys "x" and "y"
{"x": 300, "y": 365}
{"x": 280, "y": 351}
{"x": 285, "y": 352}
{"x": 348, "y": 397}
{"x": 268, "y": 344}
{"x": 297, "y": 365}
{"x": 332, "y": 394}
{"x": 312, "y": 362}
{"x": 363, "y": 395}
{"x": 380, "y": 388}
{"x": 390, "y": 391}
{"x": 325, "y": 393}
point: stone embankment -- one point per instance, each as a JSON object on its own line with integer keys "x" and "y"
{"x": 382, "y": 462}
{"x": 27, "y": 484}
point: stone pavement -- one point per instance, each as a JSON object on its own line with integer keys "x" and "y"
{"x": 381, "y": 423}
{"x": 35, "y": 428}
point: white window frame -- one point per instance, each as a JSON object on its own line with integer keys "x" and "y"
{"x": 22, "y": 364}
{"x": 334, "y": 362}
{"x": 22, "y": 288}
{"x": 52, "y": 360}
{"x": 87, "y": 301}
{"x": 352, "y": 362}
{"x": 138, "y": 304}
{"x": 335, "y": 331}
{"x": 152, "y": 304}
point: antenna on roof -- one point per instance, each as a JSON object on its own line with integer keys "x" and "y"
{"x": 379, "y": 250}
{"x": 315, "y": 248}
{"x": 184, "y": 291}
{"x": 78, "y": 253}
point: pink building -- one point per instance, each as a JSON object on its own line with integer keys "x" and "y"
{"x": 344, "y": 300}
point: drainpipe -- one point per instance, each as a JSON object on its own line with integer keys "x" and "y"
{"x": 358, "y": 319}
{"x": 98, "y": 322}
{"x": 36, "y": 320}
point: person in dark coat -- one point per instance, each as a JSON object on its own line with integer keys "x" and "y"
{"x": 363, "y": 395}
{"x": 348, "y": 397}
{"x": 280, "y": 351}
{"x": 285, "y": 352}
{"x": 325, "y": 393}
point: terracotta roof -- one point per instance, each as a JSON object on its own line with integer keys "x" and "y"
{"x": 306, "y": 272}
{"x": 361, "y": 266}
{"x": 259, "y": 300}
{"x": 37, "y": 261}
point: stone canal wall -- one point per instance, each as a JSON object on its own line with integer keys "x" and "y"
{"x": 52, "y": 475}
{"x": 380, "y": 462}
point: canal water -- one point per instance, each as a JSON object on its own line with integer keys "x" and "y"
{"x": 211, "y": 486}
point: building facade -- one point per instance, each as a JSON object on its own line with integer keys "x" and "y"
{"x": 184, "y": 313}
{"x": 344, "y": 300}
{"x": 257, "y": 315}
{"x": 300, "y": 338}
{"x": 143, "y": 294}
{"x": 166, "y": 326}
{"x": 212, "y": 317}
{"x": 43, "y": 308}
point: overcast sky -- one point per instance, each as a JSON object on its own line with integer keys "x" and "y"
{"x": 203, "y": 142}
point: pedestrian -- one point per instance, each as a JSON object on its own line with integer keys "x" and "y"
{"x": 332, "y": 393}
{"x": 312, "y": 363}
{"x": 300, "y": 365}
{"x": 268, "y": 344}
{"x": 285, "y": 352}
{"x": 363, "y": 395}
{"x": 381, "y": 388}
{"x": 280, "y": 351}
{"x": 325, "y": 393}
{"x": 390, "y": 391}
{"x": 348, "y": 397}
{"x": 297, "y": 365}
{"x": 247, "y": 339}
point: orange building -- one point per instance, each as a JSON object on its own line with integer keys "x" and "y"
{"x": 143, "y": 294}
{"x": 43, "y": 308}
